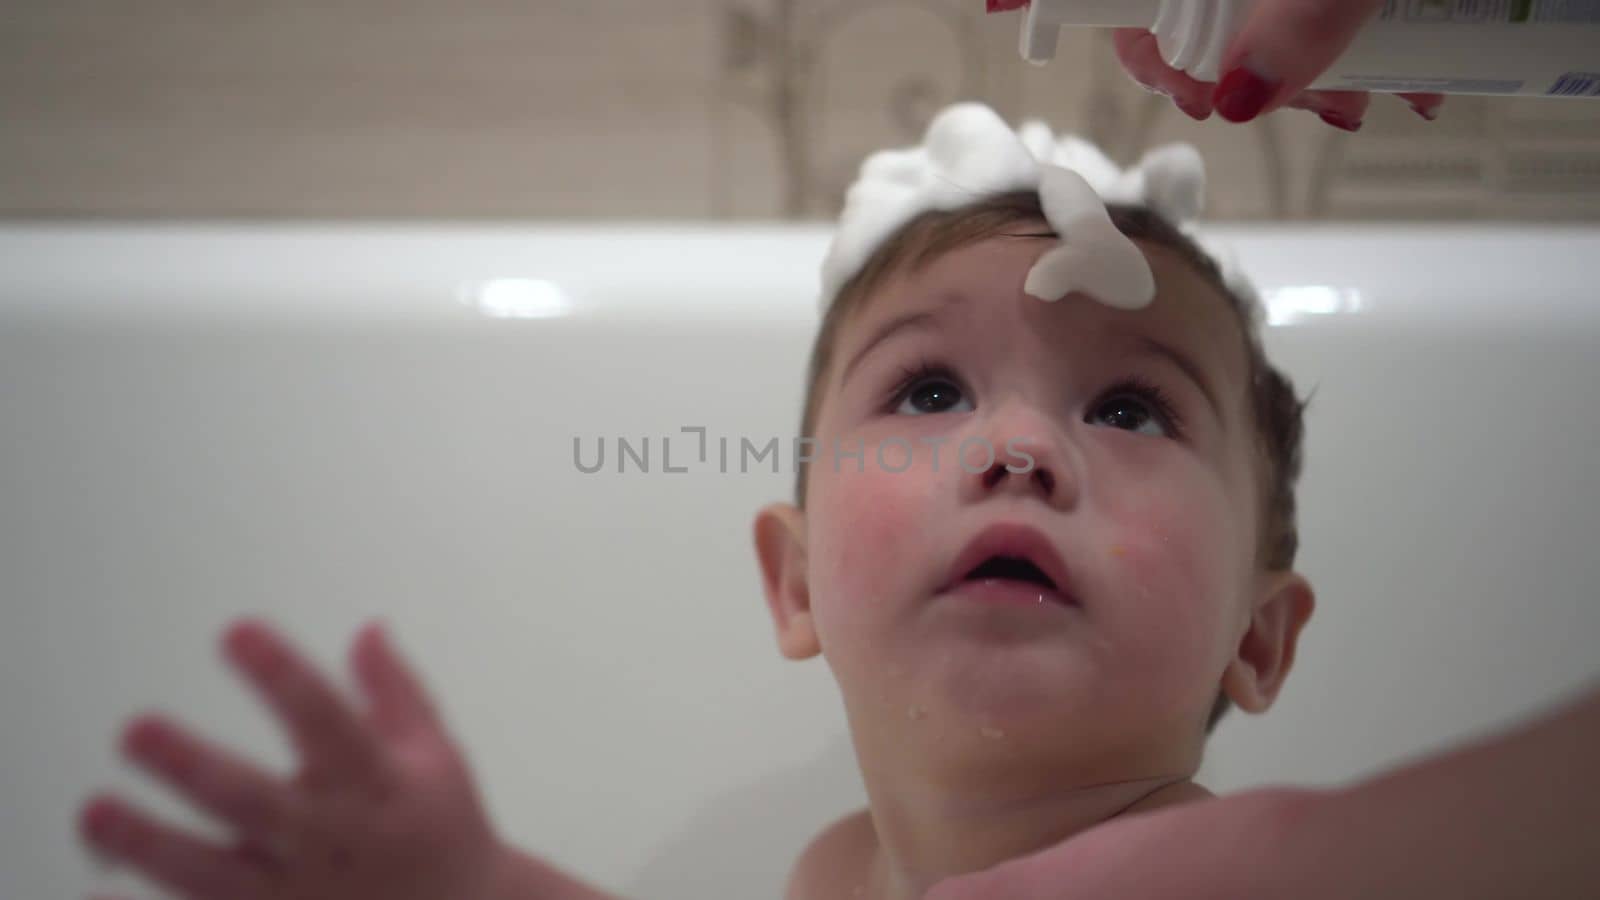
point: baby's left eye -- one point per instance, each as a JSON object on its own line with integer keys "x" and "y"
{"x": 1138, "y": 408}
{"x": 927, "y": 388}
{"x": 930, "y": 395}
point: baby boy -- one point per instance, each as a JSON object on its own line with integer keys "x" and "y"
{"x": 1046, "y": 536}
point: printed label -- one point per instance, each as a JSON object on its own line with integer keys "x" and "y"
{"x": 1496, "y": 12}
{"x": 1576, "y": 84}
{"x": 1390, "y": 85}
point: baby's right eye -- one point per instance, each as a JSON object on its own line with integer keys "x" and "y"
{"x": 927, "y": 389}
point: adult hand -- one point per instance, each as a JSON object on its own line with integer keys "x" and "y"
{"x": 1207, "y": 850}
{"x": 1510, "y": 815}
{"x": 383, "y": 805}
{"x": 1284, "y": 47}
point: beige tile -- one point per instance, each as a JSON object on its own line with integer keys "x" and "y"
{"x": 645, "y": 109}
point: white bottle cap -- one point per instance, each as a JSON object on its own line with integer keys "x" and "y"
{"x": 1045, "y": 18}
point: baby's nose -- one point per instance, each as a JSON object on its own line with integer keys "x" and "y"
{"x": 1000, "y": 475}
{"x": 1028, "y": 457}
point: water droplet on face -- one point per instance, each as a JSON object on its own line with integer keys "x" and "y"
{"x": 992, "y": 733}
{"x": 915, "y": 712}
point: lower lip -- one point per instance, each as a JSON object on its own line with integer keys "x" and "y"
{"x": 1005, "y": 592}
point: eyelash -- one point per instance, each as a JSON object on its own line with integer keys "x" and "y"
{"x": 1133, "y": 385}
{"x": 1151, "y": 392}
{"x": 910, "y": 376}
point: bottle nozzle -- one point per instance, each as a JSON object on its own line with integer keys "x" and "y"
{"x": 1041, "y": 26}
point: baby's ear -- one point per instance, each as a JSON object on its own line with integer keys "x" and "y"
{"x": 1265, "y": 654}
{"x": 780, "y": 533}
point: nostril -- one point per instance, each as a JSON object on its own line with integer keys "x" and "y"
{"x": 994, "y": 475}
{"x": 1046, "y": 480}
{"x": 998, "y": 472}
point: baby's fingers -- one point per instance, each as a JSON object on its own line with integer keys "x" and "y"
{"x": 196, "y": 869}
{"x": 400, "y": 704}
{"x": 331, "y": 739}
{"x": 215, "y": 780}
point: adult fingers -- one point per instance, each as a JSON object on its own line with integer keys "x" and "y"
{"x": 1140, "y": 55}
{"x": 1341, "y": 109}
{"x": 1284, "y": 46}
{"x": 1424, "y": 105}
{"x": 1346, "y": 109}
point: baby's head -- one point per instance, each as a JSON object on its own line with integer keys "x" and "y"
{"x": 1142, "y": 460}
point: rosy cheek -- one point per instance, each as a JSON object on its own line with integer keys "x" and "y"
{"x": 864, "y": 537}
{"x": 1164, "y": 583}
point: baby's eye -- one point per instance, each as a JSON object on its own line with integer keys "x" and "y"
{"x": 929, "y": 392}
{"x": 1129, "y": 414}
{"x": 1140, "y": 408}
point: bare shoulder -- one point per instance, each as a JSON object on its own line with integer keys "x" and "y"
{"x": 835, "y": 861}
{"x": 1176, "y": 794}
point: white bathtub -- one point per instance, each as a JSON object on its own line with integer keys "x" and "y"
{"x": 328, "y": 423}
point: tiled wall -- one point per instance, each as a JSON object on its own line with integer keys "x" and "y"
{"x": 649, "y": 109}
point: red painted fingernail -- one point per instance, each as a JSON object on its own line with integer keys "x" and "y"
{"x": 1242, "y": 95}
{"x": 1427, "y": 112}
{"x": 1339, "y": 121}
{"x": 1006, "y": 5}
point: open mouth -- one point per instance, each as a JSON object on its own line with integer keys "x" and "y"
{"x": 1011, "y": 562}
{"x": 1010, "y": 568}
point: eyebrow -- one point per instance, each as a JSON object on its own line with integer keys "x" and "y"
{"x": 926, "y": 318}
{"x": 1172, "y": 355}
{"x": 929, "y": 319}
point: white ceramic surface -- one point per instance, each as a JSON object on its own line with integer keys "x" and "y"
{"x": 327, "y": 423}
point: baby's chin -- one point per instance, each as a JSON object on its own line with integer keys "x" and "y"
{"x": 977, "y": 678}
{"x": 1011, "y": 745}
{"x": 1043, "y": 692}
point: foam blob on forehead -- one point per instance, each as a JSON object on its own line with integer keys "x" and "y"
{"x": 968, "y": 153}
{"x": 1093, "y": 258}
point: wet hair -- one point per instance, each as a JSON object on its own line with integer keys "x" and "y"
{"x": 1276, "y": 412}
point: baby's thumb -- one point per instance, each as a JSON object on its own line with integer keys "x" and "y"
{"x": 1284, "y": 47}
{"x": 399, "y": 704}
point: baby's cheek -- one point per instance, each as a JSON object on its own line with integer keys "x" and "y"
{"x": 865, "y": 531}
{"x": 1166, "y": 589}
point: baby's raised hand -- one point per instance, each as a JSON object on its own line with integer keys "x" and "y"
{"x": 382, "y": 805}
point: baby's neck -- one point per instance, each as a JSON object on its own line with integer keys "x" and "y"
{"x": 925, "y": 839}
